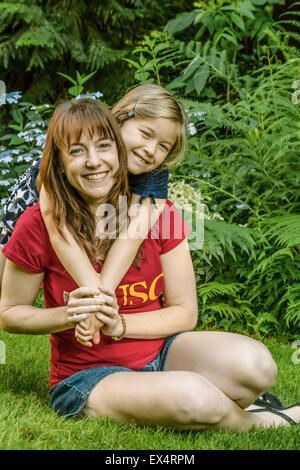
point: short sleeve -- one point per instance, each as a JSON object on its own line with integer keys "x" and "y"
{"x": 27, "y": 247}
{"x": 153, "y": 184}
{"x": 172, "y": 228}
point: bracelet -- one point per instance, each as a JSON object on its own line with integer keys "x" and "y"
{"x": 118, "y": 338}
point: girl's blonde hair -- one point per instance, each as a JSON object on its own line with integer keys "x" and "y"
{"x": 153, "y": 101}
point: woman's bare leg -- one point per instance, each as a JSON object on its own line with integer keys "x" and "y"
{"x": 240, "y": 367}
{"x": 181, "y": 400}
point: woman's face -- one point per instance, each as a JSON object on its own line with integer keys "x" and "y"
{"x": 148, "y": 142}
{"x": 90, "y": 166}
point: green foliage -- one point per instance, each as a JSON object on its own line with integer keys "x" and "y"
{"x": 225, "y": 39}
{"x": 243, "y": 157}
{"x": 23, "y": 140}
{"x": 77, "y": 89}
{"x": 40, "y": 38}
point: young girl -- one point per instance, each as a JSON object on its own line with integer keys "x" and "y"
{"x": 153, "y": 127}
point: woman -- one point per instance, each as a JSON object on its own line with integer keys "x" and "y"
{"x": 152, "y": 375}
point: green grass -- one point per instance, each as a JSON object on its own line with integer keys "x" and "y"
{"x": 27, "y": 422}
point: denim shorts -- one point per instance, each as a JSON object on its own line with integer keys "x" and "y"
{"x": 68, "y": 397}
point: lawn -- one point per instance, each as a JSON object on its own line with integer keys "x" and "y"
{"x": 27, "y": 422}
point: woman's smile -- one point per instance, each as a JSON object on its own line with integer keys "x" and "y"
{"x": 90, "y": 166}
{"x": 96, "y": 176}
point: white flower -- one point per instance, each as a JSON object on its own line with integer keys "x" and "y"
{"x": 13, "y": 97}
{"x": 7, "y": 159}
{"x": 40, "y": 141}
{"x": 192, "y": 128}
{"x": 4, "y": 183}
{"x": 93, "y": 95}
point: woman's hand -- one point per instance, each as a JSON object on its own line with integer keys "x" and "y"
{"x": 108, "y": 315}
{"x": 83, "y": 302}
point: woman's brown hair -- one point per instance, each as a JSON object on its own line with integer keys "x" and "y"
{"x": 70, "y": 120}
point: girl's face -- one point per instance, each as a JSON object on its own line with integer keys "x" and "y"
{"x": 148, "y": 142}
{"x": 90, "y": 166}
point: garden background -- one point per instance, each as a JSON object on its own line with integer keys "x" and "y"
{"x": 235, "y": 66}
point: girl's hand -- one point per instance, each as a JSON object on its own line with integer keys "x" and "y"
{"x": 109, "y": 314}
{"x": 83, "y": 334}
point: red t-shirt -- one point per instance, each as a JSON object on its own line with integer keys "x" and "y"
{"x": 139, "y": 291}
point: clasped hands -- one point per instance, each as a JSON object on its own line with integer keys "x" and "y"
{"x": 90, "y": 310}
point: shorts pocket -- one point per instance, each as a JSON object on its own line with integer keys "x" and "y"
{"x": 66, "y": 399}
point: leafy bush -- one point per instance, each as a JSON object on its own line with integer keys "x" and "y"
{"x": 24, "y": 140}
{"x": 242, "y": 156}
{"x": 39, "y": 38}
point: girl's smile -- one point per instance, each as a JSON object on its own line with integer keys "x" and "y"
{"x": 148, "y": 142}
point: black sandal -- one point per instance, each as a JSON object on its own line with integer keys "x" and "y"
{"x": 268, "y": 399}
{"x": 276, "y": 412}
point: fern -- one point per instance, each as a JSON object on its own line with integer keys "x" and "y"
{"x": 213, "y": 289}
{"x": 221, "y": 237}
{"x": 291, "y": 302}
{"x": 284, "y": 230}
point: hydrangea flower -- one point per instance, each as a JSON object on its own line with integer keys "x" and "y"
{"x": 192, "y": 128}
{"x": 34, "y": 124}
{"x": 13, "y": 97}
{"x": 6, "y": 159}
{"x": 5, "y": 183}
{"x": 195, "y": 116}
{"x": 40, "y": 141}
{"x": 94, "y": 95}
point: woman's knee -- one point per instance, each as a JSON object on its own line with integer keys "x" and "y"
{"x": 259, "y": 370}
{"x": 197, "y": 401}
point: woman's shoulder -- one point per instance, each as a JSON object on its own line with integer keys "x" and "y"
{"x": 29, "y": 245}
{"x": 31, "y": 215}
{"x": 31, "y": 224}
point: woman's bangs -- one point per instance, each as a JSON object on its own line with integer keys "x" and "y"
{"x": 81, "y": 122}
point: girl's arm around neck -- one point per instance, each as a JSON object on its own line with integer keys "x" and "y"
{"x": 71, "y": 255}
{"x": 17, "y": 313}
{"x": 124, "y": 249}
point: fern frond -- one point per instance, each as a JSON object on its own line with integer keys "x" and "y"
{"x": 221, "y": 237}
{"x": 225, "y": 310}
{"x": 213, "y": 289}
{"x": 284, "y": 230}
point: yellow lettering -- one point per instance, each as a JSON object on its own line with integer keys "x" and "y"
{"x": 140, "y": 295}
{"x": 152, "y": 295}
{"x": 124, "y": 289}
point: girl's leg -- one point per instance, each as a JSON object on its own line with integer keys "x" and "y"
{"x": 240, "y": 367}
{"x": 181, "y": 400}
